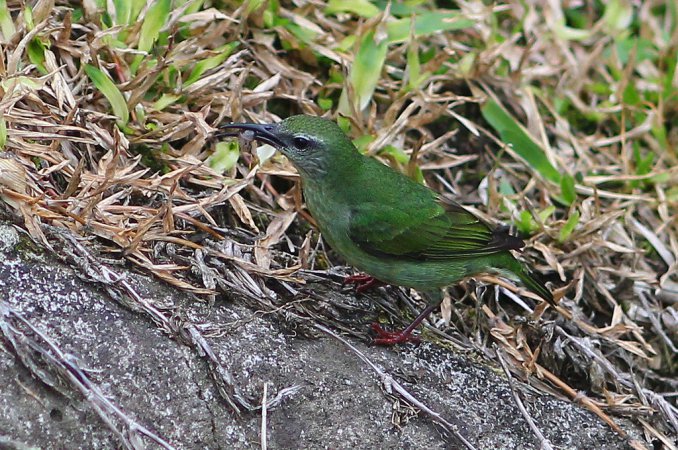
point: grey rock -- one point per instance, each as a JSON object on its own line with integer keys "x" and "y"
{"x": 162, "y": 384}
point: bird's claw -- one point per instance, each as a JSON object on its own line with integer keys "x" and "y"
{"x": 362, "y": 282}
{"x": 392, "y": 337}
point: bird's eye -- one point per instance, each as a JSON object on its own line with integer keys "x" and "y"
{"x": 301, "y": 142}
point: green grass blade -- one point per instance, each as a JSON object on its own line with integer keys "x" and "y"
{"x": 364, "y": 74}
{"x": 618, "y": 14}
{"x": 225, "y": 156}
{"x": 106, "y": 86}
{"x": 165, "y": 100}
{"x": 28, "y": 18}
{"x": 413, "y": 65}
{"x": 567, "y": 189}
{"x": 36, "y": 55}
{"x": 569, "y": 227}
{"x": 253, "y": 5}
{"x": 6, "y": 23}
{"x": 137, "y": 6}
{"x": 515, "y": 135}
{"x": 123, "y": 11}
{"x": 426, "y": 24}
{"x": 362, "y": 8}
{"x": 210, "y": 63}
{"x": 525, "y": 223}
{"x": 3, "y": 132}
{"x": 156, "y": 18}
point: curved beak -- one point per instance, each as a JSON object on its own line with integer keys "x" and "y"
{"x": 267, "y": 133}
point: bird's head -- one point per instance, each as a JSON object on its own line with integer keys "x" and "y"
{"x": 313, "y": 144}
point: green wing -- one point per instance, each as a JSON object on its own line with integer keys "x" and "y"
{"x": 434, "y": 231}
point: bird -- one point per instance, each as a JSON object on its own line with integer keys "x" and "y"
{"x": 397, "y": 230}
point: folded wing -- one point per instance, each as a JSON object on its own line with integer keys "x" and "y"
{"x": 436, "y": 231}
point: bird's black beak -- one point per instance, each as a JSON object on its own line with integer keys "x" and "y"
{"x": 267, "y": 133}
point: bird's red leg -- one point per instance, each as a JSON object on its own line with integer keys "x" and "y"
{"x": 401, "y": 337}
{"x": 363, "y": 282}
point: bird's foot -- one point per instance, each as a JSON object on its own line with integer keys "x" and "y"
{"x": 393, "y": 337}
{"x": 362, "y": 282}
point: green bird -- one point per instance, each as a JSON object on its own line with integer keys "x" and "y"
{"x": 385, "y": 224}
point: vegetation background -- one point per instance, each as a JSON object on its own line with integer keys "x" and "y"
{"x": 556, "y": 118}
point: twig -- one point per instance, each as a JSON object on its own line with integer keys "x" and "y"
{"x": 545, "y": 443}
{"x": 391, "y": 384}
{"x": 642, "y": 294}
{"x": 263, "y": 417}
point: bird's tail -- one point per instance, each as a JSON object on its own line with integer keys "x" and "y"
{"x": 530, "y": 279}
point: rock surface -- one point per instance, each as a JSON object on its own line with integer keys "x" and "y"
{"x": 164, "y": 385}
